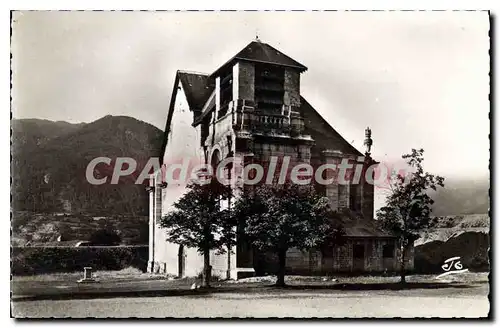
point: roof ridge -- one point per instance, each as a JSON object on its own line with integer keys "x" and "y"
{"x": 259, "y": 51}
{"x": 192, "y": 72}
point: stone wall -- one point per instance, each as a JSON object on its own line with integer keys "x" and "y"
{"x": 367, "y": 201}
{"x": 264, "y": 150}
{"x": 342, "y": 258}
{"x": 373, "y": 260}
{"x": 343, "y": 194}
{"x": 183, "y": 143}
{"x": 292, "y": 88}
{"x": 244, "y": 81}
{"x": 332, "y": 189}
{"x": 339, "y": 260}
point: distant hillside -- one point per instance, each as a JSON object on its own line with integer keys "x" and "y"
{"x": 466, "y": 236}
{"x": 446, "y": 227}
{"x": 460, "y": 227}
{"x": 45, "y": 229}
{"x": 461, "y": 197}
{"x": 49, "y": 160}
{"x": 32, "y": 133}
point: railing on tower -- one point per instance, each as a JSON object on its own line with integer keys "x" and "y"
{"x": 271, "y": 123}
{"x": 280, "y": 121}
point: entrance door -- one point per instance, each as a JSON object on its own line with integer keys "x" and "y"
{"x": 358, "y": 254}
{"x": 181, "y": 259}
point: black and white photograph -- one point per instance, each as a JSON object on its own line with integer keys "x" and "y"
{"x": 250, "y": 164}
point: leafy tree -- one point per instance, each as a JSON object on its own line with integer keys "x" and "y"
{"x": 408, "y": 206}
{"x": 105, "y": 237}
{"x": 280, "y": 217}
{"x": 200, "y": 221}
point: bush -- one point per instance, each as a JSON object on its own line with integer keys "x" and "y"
{"x": 104, "y": 237}
{"x": 40, "y": 260}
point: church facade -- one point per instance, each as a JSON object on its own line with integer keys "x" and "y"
{"x": 251, "y": 109}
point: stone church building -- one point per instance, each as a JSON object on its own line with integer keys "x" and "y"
{"x": 251, "y": 109}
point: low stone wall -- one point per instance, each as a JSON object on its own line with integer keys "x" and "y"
{"x": 339, "y": 259}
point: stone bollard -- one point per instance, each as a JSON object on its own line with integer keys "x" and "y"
{"x": 87, "y": 275}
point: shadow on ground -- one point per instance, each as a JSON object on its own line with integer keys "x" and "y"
{"x": 376, "y": 286}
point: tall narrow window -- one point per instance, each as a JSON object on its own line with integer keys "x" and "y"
{"x": 388, "y": 251}
{"x": 269, "y": 87}
{"x": 343, "y": 196}
{"x": 354, "y": 204}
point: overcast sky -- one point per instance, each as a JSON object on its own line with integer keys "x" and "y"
{"x": 418, "y": 79}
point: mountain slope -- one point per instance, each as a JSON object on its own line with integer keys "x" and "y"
{"x": 49, "y": 161}
{"x": 462, "y": 197}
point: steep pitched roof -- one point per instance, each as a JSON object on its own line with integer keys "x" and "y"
{"x": 257, "y": 51}
{"x": 322, "y": 132}
{"x": 197, "y": 88}
{"x": 356, "y": 226}
{"x": 365, "y": 228}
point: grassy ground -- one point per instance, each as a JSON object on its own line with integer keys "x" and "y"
{"x": 135, "y": 274}
{"x": 467, "y": 277}
{"x": 125, "y": 274}
{"x": 131, "y": 283}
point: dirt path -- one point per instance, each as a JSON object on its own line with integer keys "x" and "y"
{"x": 471, "y": 302}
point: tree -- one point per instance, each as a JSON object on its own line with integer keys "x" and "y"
{"x": 408, "y": 206}
{"x": 200, "y": 221}
{"x": 105, "y": 237}
{"x": 280, "y": 217}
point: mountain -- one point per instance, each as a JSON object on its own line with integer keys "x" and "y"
{"x": 443, "y": 228}
{"x": 462, "y": 197}
{"x": 460, "y": 227}
{"x": 34, "y": 132}
{"x": 49, "y": 161}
